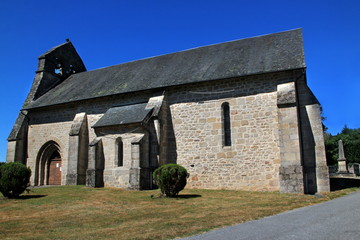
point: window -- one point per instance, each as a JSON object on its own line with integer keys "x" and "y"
{"x": 226, "y": 124}
{"x": 119, "y": 152}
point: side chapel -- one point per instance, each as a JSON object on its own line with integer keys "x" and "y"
{"x": 237, "y": 115}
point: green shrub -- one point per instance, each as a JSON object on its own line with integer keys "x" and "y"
{"x": 171, "y": 179}
{"x": 1, "y": 164}
{"x": 14, "y": 179}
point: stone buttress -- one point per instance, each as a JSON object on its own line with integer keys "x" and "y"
{"x": 302, "y": 152}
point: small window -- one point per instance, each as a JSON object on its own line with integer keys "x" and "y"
{"x": 119, "y": 152}
{"x": 226, "y": 124}
{"x": 58, "y": 68}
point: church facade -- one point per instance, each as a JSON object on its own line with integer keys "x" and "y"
{"x": 236, "y": 115}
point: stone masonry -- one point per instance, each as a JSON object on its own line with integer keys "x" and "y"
{"x": 271, "y": 138}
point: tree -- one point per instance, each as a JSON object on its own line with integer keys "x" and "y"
{"x": 351, "y": 140}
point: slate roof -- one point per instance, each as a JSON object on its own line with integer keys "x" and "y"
{"x": 263, "y": 54}
{"x": 123, "y": 115}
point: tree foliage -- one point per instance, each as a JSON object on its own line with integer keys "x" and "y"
{"x": 14, "y": 179}
{"x": 351, "y": 141}
{"x": 171, "y": 179}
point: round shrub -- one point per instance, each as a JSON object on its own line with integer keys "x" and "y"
{"x": 171, "y": 179}
{"x": 14, "y": 179}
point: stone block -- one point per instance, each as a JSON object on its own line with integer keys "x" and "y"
{"x": 291, "y": 179}
{"x": 286, "y": 94}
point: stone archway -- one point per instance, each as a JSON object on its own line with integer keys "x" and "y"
{"x": 48, "y": 165}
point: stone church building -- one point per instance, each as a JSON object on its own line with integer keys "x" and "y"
{"x": 236, "y": 115}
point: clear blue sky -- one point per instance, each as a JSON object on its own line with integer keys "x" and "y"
{"x": 111, "y": 32}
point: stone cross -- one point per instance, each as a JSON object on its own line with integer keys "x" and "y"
{"x": 342, "y": 160}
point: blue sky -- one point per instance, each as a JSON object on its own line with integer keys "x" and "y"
{"x": 106, "y": 33}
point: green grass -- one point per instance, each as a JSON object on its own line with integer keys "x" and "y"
{"x": 77, "y": 212}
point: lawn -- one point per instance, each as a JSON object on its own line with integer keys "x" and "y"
{"x": 78, "y": 212}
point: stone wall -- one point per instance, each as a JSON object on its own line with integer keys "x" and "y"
{"x": 252, "y": 161}
{"x": 265, "y": 151}
{"x": 119, "y": 176}
{"x": 291, "y": 170}
{"x": 39, "y": 135}
{"x": 55, "y": 123}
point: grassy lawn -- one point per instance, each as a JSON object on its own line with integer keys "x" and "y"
{"x": 78, "y": 212}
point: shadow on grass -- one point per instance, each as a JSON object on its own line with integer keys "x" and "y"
{"x": 182, "y": 196}
{"x": 186, "y": 196}
{"x": 24, "y": 197}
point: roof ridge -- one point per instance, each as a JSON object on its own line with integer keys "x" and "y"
{"x": 195, "y": 48}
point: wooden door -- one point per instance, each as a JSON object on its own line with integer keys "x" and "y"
{"x": 54, "y": 173}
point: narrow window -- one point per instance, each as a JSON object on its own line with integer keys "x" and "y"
{"x": 226, "y": 124}
{"x": 119, "y": 152}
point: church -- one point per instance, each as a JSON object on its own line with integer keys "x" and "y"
{"x": 237, "y": 115}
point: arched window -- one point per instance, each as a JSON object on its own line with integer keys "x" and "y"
{"x": 226, "y": 124}
{"x": 119, "y": 152}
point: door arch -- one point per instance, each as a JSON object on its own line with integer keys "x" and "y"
{"x": 48, "y": 165}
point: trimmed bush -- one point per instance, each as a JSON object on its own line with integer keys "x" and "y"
{"x": 171, "y": 179}
{"x": 14, "y": 179}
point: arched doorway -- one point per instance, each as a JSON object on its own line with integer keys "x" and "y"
{"x": 48, "y": 165}
{"x": 54, "y": 169}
